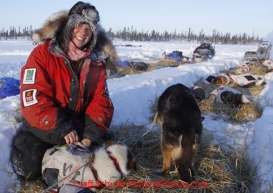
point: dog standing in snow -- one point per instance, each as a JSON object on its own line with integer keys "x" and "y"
{"x": 76, "y": 167}
{"x": 180, "y": 119}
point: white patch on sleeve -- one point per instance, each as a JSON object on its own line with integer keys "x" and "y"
{"x": 29, "y": 97}
{"x": 29, "y": 76}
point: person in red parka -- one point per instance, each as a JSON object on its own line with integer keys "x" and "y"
{"x": 64, "y": 96}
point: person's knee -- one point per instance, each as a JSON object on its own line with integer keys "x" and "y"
{"x": 27, "y": 154}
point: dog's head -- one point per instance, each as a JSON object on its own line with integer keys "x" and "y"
{"x": 199, "y": 93}
{"x": 221, "y": 80}
{"x": 122, "y": 154}
{"x": 237, "y": 100}
{"x": 260, "y": 81}
{"x": 227, "y": 97}
{"x": 211, "y": 79}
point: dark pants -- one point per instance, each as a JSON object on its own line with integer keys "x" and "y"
{"x": 27, "y": 155}
{"x": 28, "y": 152}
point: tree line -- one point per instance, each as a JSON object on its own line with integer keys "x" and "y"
{"x": 130, "y": 34}
{"x": 14, "y": 33}
{"x": 216, "y": 36}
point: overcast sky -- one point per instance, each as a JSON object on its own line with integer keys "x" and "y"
{"x": 234, "y": 16}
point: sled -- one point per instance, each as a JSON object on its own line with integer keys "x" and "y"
{"x": 251, "y": 56}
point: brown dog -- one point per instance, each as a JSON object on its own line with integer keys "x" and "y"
{"x": 180, "y": 119}
{"x": 221, "y": 80}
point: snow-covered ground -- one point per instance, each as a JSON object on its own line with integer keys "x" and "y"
{"x": 132, "y": 96}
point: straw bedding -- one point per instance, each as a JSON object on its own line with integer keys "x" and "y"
{"x": 221, "y": 167}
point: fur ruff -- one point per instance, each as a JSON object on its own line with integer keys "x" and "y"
{"x": 56, "y": 23}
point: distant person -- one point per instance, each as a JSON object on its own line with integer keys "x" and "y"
{"x": 64, "y": 95}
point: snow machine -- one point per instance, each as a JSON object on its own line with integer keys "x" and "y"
{"x": 264, "y": 50}
{"x": 203, "y": 52}
{"x": 262, "y": 53}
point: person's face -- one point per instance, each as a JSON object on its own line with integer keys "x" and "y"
{"x": 81, "y": 35}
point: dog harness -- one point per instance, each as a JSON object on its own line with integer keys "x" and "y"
{"x": 95, "y": 173}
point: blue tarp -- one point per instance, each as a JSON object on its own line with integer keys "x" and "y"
{"x": 124, "y": 63}
{"x": 9, "y": 87}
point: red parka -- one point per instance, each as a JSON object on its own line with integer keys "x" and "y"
{"x": 55, "y": 98}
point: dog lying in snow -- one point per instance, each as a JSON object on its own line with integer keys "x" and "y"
{"x": 77, "y": 167}
{"x": 199, "y": 93}
{"x": 244, "y": 67}
{"x": 267, "y": 65}
{"x": 227, "y": 95}
{"x": 243, "y": 80}
{"x": 247, "y": 80}
{"x": 218, "y": 79}
{"x": 180, "y": 119}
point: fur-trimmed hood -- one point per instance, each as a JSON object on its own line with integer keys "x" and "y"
{"x": 54, "y": 27}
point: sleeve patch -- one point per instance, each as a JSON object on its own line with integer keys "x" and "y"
{"x": 29, "y": 97}
{"x": 29, "y": 76}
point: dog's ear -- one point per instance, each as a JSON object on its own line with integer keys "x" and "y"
{"x": 133, "y": 165}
